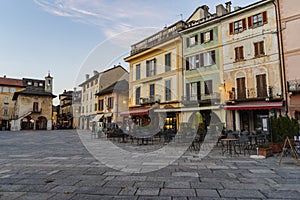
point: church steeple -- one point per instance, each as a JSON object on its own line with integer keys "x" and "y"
{"x": 48, "y": 83}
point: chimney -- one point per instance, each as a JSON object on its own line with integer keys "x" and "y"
{"x": 4, "y": 76}
{"x": 95, "y": 72}
{"x": 65, "y": 91}
{"x": 220, "y": 10}
{"x": 204, "y": 12}
{"x": 228, "y": 6}
{"x": 87, "y": 76}
{"x": 74, "y": 89}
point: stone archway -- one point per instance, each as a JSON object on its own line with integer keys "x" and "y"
{"x": 41, "y": 123}
{"x": 27, "y": 123}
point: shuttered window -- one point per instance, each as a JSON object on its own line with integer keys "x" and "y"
{"x": 241, "y": 88}
{"x": 259, "y": 49}
{"x": 258, "y": 20}
{"x": 239, "y": 53}
{"x": 261, "y": 85}
{"x": 237, "y": 26}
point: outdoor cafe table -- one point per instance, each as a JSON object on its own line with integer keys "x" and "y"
{"x": 230, "y": 145}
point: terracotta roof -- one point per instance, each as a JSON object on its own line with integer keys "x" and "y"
{"x": 11, "y": 82}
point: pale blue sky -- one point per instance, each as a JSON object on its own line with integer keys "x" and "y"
{"x": 59, "y": 35}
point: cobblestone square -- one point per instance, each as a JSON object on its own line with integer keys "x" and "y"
{"x": 56, "y": 165}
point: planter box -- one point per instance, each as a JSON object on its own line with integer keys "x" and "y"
{"x": 277, "y": 147}
{"x": 266, "y": 152}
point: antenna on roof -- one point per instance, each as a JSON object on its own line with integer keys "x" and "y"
{"x": 181, "y": 18}
{"x": 48, "y": 73}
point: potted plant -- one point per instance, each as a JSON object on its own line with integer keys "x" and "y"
{"x": 265, "y": 150}
{"x": 282, "y": 127}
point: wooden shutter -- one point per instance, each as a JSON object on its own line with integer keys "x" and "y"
{"x": 261, "y": 48}
{"x": 187, "y": 64}
{"x": 241, "y": 52}
{"x": 256, "y": 49}
{"x": 154, "y": 66}
{"x": 196, "y": 39}
{"x": 241, "y": 88}
{"x": 147, "y": 68}
{"x": 250, "y": 22}
{"x": 187, "y": 42}
{"x": 211, "y": 35}
{"x": 198, "y": 91}
{"x": 244, "y": 24}
{"x": 231, "y": 28}
{"x": 202, "y": 37}
{"x": 265, "y": 17}
{"x": 187, "y": 88}
{"x": 236, "y": 51}
{"x": 197, "y": 61}
{"x": 201, "y": 60}
{"x": 261, "y": 84}
{"x": 213, "y": 57}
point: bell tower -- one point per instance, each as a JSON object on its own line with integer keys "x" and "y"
{"x": 48, "y": 83}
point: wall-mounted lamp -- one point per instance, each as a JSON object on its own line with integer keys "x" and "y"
{"x": 222, "y": 87}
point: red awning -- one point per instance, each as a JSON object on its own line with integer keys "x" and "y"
{"x": 138, "y": 112}
{"x": 261, "y": 105}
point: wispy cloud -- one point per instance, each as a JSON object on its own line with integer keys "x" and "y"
{"x": 112, "y": 16}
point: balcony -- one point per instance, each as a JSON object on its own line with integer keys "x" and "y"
{"x": 150, "y": 100}
{"x": 158, "y": 38}
{"x": 251, "y": 94}
{"x": 294, "y": 86}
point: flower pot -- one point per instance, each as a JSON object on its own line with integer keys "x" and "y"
{"x": 277, "y": 147}
{"x": 266, "y": 152}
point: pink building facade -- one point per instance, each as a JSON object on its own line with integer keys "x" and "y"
{"x": 289, "y": 28}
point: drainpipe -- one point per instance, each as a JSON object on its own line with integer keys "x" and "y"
{"x": 281, "y": 55}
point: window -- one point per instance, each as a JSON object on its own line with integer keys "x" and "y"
{"x": 110, "y": 102}
{"x": 239, "y": 53}
{"x": 138, "y": 72}
{"x": 168, "y": 90}
{"x": 35, "y": 84}
{"x": 137, "y": 95}
{"x": 5, "y": 89}
{"x": 83, "y": 88}
{"x": 35, "y": 106}
{"x": 257, "y": 20}
{"x": 5, "y": 111}
{"x": 193, "y": 91}
{"x": 6, "y": 100}
{"x": 92, "y": 83}
{"x": 12, "y": 90}
{"x": 87, "y": 96}
{"x": 0, "y": 89}
{"x": 96, "y": 106}
{"x": 168, "y": 62}
{"x": 207, "y": 36}
{"x": 259, "y": 49}
{"x": 261, "y": 85}
{"x": 237, "y": 26}
{"x": 91, "y": 107}
{"x": 241, "y": 88}
{"x": 91, "y": 95}
{"x": 209, "y": 58}
{"x": 201, "y": 60}
{"x": 96, "y": 81}
{"x": 82, "y": 111}
{"x": 86, "y": 109}
{"x": 150, "y": 67}
{"x": 100, "y": 104}
{"x": 29, "y": 83}
{"x": 192, "y": 41}
{"x": 41, "y": 84}
{"x": 87, "y": 85}
{"x": 152, "y": 92}
{"x": 208, "y": 87}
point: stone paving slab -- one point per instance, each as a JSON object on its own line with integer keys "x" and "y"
{"x": 56, "y": 165}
